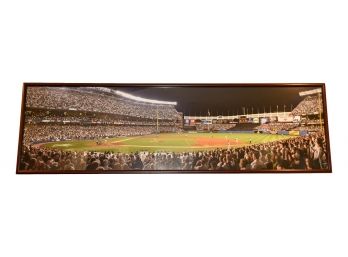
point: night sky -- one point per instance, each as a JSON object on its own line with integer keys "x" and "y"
{"x": 222, "y": 100}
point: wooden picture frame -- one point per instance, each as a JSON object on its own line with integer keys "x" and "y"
{"x": 66, "y": 128}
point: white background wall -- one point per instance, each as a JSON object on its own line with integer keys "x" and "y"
{"x": 173, "y": 41}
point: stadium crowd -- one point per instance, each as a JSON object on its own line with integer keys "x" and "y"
{"x": 276, "y": 126}
{"x": 315, "y": 127}
{"x": 296, "y": 153}
{"x": 45, "y": 116}
{"x": 309, "y": 105}
{"x": 73, "y": 98}
{"x": 214, "y": 127}
{"x": 39, "y": 133}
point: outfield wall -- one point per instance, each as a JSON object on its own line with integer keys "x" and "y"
{"x": 293, "y": 132}
{"x": 225, "y": 131}
{"x": 280, "y": 132}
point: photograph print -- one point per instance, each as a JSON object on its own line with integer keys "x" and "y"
{"x": 173, "y": 128}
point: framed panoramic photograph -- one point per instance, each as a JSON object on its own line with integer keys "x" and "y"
{"x": 173, "y": 128}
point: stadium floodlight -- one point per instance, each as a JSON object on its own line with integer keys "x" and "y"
{"x": 140, "y": 99}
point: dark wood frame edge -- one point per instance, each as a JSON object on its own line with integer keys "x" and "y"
{"x": 314, "y": 171}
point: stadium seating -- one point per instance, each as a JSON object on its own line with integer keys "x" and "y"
{"x": 63, "y": 113}
{"x": 305, "y": 153}
{"x": 244, "y": 127}
{"x": 309, "y": 105}
{"x": 74, "y": 98}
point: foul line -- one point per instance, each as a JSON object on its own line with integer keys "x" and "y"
{"x": 123, "y": 140}
{"x": 177, "y": 146}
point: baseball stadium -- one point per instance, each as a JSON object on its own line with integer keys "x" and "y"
{"x": 154, "y": 128}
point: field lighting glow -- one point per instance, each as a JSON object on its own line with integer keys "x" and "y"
{"x": 145, "y": 100}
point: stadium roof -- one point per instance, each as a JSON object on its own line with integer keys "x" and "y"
{"x": 131, "y": 96}
{"x": 310, "y": 92}
{"x": 141, "y": 99}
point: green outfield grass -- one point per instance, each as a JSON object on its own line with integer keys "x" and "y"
{"x": 167, "y": 142}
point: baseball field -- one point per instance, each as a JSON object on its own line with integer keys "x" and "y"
{"x": 173, "y": 142}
